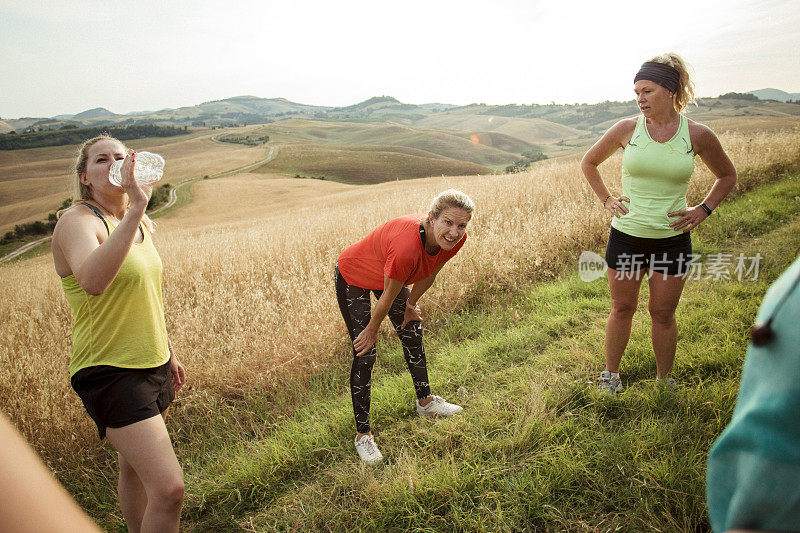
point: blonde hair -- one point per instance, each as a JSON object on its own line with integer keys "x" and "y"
{"x": 82, "y": 193}
{"x": 685, "y": 93}
{"x": 451, "y": 198}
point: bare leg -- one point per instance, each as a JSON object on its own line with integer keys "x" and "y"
{"x": 665, "y": 293}
{"x": 624, "y": 297}
{"x": 146, "y": 448}
{"x": 132, "y": 496}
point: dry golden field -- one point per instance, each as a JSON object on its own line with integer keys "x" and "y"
{"x": 34, "y": 182}
{"x": 752, "y": 124}
{"x": 247, "y": 197}
{"x": 248, "y": 284}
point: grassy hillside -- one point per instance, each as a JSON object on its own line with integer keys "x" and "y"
{"x": 537, "y": 447}
{"x": 242, "y": 198}
{"x": 531, "y": 130}
{"x": 753, "y": 125}
{"x": 368, "y": 164}
{"x": 453, "y": 145}
{"x": 501, "y": 141}
{"x": 263, "y": 428}
{"x": 600, "y": 116}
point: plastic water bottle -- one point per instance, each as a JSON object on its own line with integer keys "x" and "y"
{"x": 149, "y": 168}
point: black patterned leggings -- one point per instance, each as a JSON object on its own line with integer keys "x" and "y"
{"x": 354, "y": 304}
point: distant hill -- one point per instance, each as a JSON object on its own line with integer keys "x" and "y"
{"x": 97, "y": 112}
{"x": 488, "y": 150}
{"x": 534, "y": 123}
{"x": 478, "y": 118}
{"x": 376, "y": 102}
{"x": 775, "y": 94}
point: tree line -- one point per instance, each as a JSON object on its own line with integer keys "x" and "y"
{"x": 73, "y": 135}
{"x": 531, "y": 156}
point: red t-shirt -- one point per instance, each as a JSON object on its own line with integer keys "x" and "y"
{"x": 394, "y": 249}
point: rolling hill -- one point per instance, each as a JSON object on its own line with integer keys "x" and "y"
{"x": 366, "y": 164}
{"x": 533, "y": 123}
{"x": 494, "y": 150}
{"x": 775, "y": 94}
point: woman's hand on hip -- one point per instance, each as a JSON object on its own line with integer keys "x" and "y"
{"x": 615, "y": 205}
{"x": 412, "y": 314}
{"x": 365, "y": 340}
{"x": 689, "y": 218}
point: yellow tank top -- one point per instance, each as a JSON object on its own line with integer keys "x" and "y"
{"x": 655, "y": 177}
{"x": 124, "y": 326}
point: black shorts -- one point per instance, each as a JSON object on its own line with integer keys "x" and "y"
{"x": 117, "y": 397}
{"x": 670, "y": 256}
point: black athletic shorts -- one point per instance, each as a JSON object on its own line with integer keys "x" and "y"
{"x": 670, "y": 256}
{"x": 117, "y": 397}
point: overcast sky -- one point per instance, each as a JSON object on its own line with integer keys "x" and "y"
{"x": 59, "y": 57}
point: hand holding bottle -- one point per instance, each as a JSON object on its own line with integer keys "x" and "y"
{"x": 149, "y": 168}
{"x": 138, "y": 192}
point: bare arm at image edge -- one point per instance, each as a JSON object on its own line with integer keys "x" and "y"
{"x": 31, "y": 500}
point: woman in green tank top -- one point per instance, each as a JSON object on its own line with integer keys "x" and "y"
{"x": 122, "y": 364}
{"x": 651, "y": 221}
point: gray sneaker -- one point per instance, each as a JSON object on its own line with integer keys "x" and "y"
{"x": 667, "y": 382}
{"x": 608, "y": 383}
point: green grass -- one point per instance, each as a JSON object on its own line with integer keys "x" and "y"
{"x": 36, "y": 251}
{"x": 537, "y": 448}
{"x": 184, "y": 192}
{"x": 11, "y": 246}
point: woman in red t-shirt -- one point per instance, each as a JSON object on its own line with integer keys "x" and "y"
{"x": 407, "y": 250}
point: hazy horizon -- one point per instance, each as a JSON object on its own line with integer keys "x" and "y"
{"x": 145, "y": 111}
{"x": 63, "y": 58}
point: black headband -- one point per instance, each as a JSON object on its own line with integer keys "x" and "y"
{"x": 664, "y": 75}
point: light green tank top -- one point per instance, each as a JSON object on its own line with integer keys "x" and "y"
{"x": 655, "y": 177}
{"x": 124, "y": 326}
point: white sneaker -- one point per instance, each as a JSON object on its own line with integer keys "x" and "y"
{"x": 367, "y": 450}
{"x": 438, "y": 408}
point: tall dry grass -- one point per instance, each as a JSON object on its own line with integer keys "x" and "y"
{"x": 252, "y": 302}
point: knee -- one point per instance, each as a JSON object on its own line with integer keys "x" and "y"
{"x": 169, "y": 493}
{"x": 412, "y": 345}
{"x": 411, "y": 335}
{"x": 366, "y": 361}
{"x": 361, "y": 372}
{"x": 662, "y": 317}
{"x": 622, "y": 310}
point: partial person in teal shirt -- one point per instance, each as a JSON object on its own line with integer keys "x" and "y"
{"x": 753, "y": 480}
